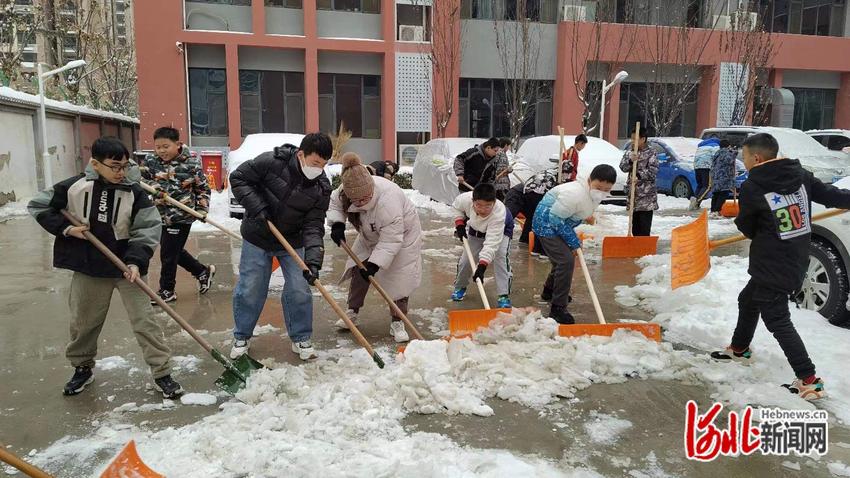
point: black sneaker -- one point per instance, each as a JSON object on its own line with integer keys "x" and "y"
{"x": 729, "y": 355}
{"x": 166, "y": 296}
{"x": 205, "y": 279}
{"x": 561, "y": 315}
{"x": 546, "y": 295}
{"x": 169, "y": 388}
{"x": 82, "y": 377}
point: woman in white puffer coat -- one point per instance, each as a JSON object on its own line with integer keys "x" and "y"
{"x": 389, "y": 239}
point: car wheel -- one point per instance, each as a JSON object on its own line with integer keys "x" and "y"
{"x": 825, "y": 286}
{"x": 681, "y": 188}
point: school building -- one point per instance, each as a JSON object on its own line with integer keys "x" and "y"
{"x": 219, "y": 70}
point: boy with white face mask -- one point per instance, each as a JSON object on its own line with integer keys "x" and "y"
{"x": 288, "y": 187}
{"x": 562, "y": 209}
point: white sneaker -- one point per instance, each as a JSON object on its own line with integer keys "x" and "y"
{"x": 240, "y": 348}
{"x": 304, "y": 350}
{"x": 341, "y": 325}
{"x": 398, "y": 332}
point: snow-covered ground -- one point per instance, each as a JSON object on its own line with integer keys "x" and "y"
{"x": 13, "y": 209}
{"x": 704, "y": 315}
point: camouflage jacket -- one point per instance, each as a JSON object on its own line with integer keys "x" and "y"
{"x": 646, "y": 193}
{"x": 183, "y": 179}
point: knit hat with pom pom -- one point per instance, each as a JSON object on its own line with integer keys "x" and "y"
{"x": 357, "y": 183}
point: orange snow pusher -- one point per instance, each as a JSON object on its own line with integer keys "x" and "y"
{"x": 650, "y": 330}
{"x": 690, "y": 249}
{"x": 630, "y": 246}
{"x": 128, "y": 463}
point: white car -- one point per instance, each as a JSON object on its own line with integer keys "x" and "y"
{"x": 828, "y": 166}
{"x": 539, "y": 152}
{"x": 834, "y": 139}
{"x": 253, "y": 146}
{"x": 825, "y": 286}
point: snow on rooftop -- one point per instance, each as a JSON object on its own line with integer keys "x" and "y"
{"x": 16, "y": 96}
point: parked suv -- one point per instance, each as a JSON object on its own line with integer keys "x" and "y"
{"x": 826, "y": 287}
{"x": 828, "y": 166}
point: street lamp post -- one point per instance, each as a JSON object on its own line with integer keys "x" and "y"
{"x": 42, "y": 113}
{"x": 605, "y": 87}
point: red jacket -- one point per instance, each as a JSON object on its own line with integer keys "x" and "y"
{"x": 570, "y": 164}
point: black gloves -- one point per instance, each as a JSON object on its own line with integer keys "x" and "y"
{"x": 370, "y": 269}
{"x": 479, "y": 272}
{"x": 460, "y": 231}
{"x": 338, "y": 233}
{"x": 311, "y": 274}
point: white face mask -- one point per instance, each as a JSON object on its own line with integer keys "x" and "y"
{"x": 310, "y": 172}
{"x": 597, "y": 195}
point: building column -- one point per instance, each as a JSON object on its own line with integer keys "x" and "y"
{"x": 388, "y": 86}
{"x": 566, "y": 107}
{"x": 708, "y": 94}
{"x": 842, "y": 103}
{"x": 234, "y": 114}
{"x": 311, "y": 70}
{"x": 258, "y": 17}
{"x": 612, "y": 115}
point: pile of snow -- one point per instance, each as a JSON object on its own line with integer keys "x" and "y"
{"x": 198, "y": 399}
{"x": 13, "y": 209}
{"x": 343, "y": 416}
{"x": 422, "y": 201}
{"x": 186, "y": 363}
{"x": 112, "y": 363}
{"x": 605, "y": 429}
{"x": 703, "y": 315}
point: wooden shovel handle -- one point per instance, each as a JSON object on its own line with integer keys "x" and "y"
{"x": 590, "y": 287}
{"x": 24, "y": 467}
{"x": 202, "y": 217}
{"x": 635, "y": 140}
{"x": 740, "y": 237}
{"x": 561, "y": 148}
{"x": 140, "y": 283}
{"x": 383, "y": 293}
{"x": 477, "y": 281}
{"x": 327, "y": 295}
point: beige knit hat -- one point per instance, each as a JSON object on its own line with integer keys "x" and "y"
{"x": 357, "y": 183}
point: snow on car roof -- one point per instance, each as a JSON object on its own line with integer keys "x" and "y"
{"x": 536, "y": 151}
{"x": 685, "y": 148}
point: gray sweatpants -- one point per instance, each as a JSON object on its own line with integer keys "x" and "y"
{"x": 501, "y": 265}
{"x": 89, "y": 300}
{"x": 560, "y": 278}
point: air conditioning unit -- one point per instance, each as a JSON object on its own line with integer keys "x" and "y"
{"x": 407, "y": 153}
{"x": 722, "y": 22}
{"x": 411, "y": 33}
{"x": 574, "y": 13}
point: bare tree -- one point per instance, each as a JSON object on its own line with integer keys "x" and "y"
{"x": 518, "y": 38}
{"x": 587, "y": 53}
{"x": 19, "y": 26}
{"x": 442, "y": 58}
{"x": 751, "y": 49}
{"x": 675, "y": 54}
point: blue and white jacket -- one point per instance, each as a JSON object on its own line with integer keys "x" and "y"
{"x": 562, "y": 209}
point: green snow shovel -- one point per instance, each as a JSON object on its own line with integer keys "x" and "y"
{"x": 236, "y": 372}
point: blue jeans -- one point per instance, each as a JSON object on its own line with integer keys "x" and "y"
{"x": 252, "y": 288}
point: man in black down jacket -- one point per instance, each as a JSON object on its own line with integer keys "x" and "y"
{"x": 775, "y": 212}
{"x": 288, "y": 187}
{"x": 477, "y": 164}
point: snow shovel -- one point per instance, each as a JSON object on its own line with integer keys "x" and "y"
{"x": 235, "y": 372}
{"x": 630, "y": 246}
{"x": 327, "y": 295}
{"x": 30, "y": 470}
{"x": 463, "y": 323}
{"x": 201, "y": 217}
{"x": 128, "y": 463}
{"x": 650, "y": 330}
{"x": 730, "y": 207}
{"x": 690, "y": 248}
{"x": 383, "y": 293}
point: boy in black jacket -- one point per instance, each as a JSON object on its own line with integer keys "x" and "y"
{"x": 118, "y": 212}
{"x": 775, "y": 212}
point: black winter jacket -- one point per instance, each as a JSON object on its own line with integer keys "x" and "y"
{"x": 775, "y": 212}
{"x": 273, "y": 182}
{"x": 475, "y": 167}
{"x": 120, "y": 215}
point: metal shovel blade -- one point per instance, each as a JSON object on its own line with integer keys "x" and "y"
{"x": 231, "y": 381}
